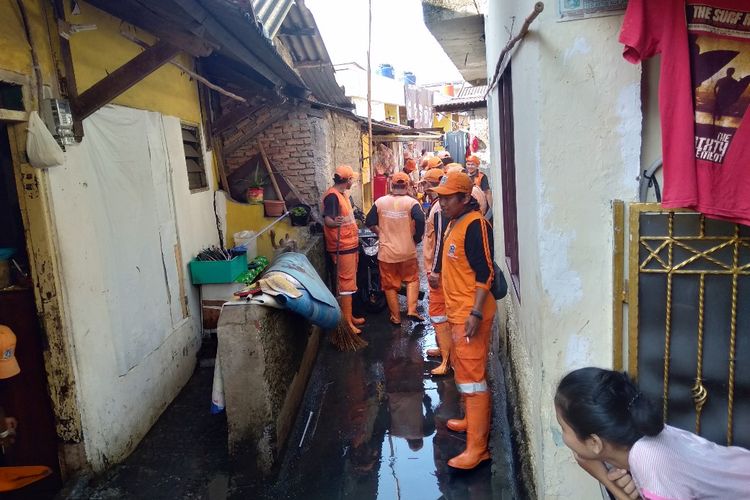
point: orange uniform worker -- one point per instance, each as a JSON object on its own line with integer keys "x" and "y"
{"x": 480, "y": 180}
{"x": 15, "y": 477}
{"x": 342, "y": 240}
{"x": 467, "y": 273}
{"x": 398, "y": 221}
{"x": 434, "y": 231}
{"x": 475, "y": 191}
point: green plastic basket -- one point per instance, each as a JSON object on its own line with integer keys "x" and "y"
{"x": 217, "y": 271}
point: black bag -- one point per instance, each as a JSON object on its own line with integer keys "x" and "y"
{"x": 499, "y": 288}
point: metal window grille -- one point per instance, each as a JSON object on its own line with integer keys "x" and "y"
{"x": 196, "y": 171}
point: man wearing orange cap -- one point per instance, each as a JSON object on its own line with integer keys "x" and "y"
{"x": 342, "y": 240}
{"x": 434, "y": 230}
{"x": 480, "y": 180}
{"x": 398, "y": 221}
{"x": 475, "y": 191}
{"x": 434, "y": 162}
{"x": 467, "y": 272}
{"x": 16, "y": 477}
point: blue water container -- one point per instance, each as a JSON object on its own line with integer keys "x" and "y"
{"x": 410, "y": 78}
{"x": 387, "y": 71}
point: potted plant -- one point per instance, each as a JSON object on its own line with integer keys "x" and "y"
{"x": 255, "y": 188}
{"x": 300, "y": 215}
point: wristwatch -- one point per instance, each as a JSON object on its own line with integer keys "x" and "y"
{"x": 476, "y": 314}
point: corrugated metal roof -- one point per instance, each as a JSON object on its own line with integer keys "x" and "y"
{"x": 311, "y": 60}
{"x": 271, "y": 14}
{"x": 467, "y": 98}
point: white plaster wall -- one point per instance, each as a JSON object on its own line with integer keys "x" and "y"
{"x": 117, "y": 410}
{"x": 577, "y": 112}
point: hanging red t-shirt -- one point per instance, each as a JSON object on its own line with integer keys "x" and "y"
{"x": 703, "y": 98}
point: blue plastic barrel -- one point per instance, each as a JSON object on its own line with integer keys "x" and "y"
{"x": 410, "y": 78}
{"x": 387, "y": 71}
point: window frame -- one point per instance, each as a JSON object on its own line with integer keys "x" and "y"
{"x": 197, "y": 149}
{"x": 508, "y": 177}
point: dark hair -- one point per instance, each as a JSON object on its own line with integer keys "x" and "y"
{"x": 339, "y": 180}
{"x": 606, "y": 403}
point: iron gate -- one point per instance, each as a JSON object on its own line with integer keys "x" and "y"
{"x": 688, "y": 296}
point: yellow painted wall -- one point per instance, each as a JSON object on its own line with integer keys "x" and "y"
{"x": 96, "y": 53}
{"x": 391, "y": 113}
{"x": 443, "y": 121}
{"x": 15, "y": 52}
{"x": 245, "y": 216}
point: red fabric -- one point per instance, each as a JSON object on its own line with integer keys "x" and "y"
{"x": 380, "y": 186}
{"x": 706, "y": 146}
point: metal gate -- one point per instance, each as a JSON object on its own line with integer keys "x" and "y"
{"x": 688, "y": 318}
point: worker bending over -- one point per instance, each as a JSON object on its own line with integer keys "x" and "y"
{"x": 342, "y": 241}
{"x": 434, "y": 231}
{"x": 467, "y": 274}
{"x": 398, "y": 221}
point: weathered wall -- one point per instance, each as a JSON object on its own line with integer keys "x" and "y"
{"x": 577, "y": 112}
{"x": 266, "y": 357}
{"x": 109, "y": 412}
{"x": 305, "y": 148}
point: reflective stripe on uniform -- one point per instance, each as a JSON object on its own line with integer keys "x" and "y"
{"x": 438, "y": 319}
{"x": 472, "y": 387}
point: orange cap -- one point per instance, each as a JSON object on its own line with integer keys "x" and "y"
{"x": 346, "y": 172}
{"x": 433, "y": 175}
{"x": 473, "y": 159}
{"x": 454, "y": 182}
{"x": 434, "y": 162}
{"x": 400, "y": 178}
{"x": 8, "y": 364}
{"x": 410, "y": 165}
{"x": 453, "y": 167}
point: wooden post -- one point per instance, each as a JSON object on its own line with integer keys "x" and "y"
{"x": 369, "y": 94}
{"x": 270, "y": 173}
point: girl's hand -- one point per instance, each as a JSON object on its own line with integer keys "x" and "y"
{"x": 624, "y": 481}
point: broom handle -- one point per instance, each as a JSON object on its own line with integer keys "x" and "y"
{"x": 338, "y": 247}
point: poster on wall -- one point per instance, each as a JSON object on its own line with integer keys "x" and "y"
{"x": 580, "y": 9}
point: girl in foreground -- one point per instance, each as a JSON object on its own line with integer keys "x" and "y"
{"x": 605, "y": 419}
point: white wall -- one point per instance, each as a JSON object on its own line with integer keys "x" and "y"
{"x": 577, "y": 112}
{"x": 124, "y": 385}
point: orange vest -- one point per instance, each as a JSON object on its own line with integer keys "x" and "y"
{"x": 349, "y": 237}
{"x": 478, "y": 180}
{"x": 396, "y": 228}
{"x": 458, "y": 276}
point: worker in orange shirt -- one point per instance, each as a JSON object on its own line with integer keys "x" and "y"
{"x": 480, "y": 180}
{"x": 398, "y": 221}
{"x": 342, "y": 240}
{"x": 434, "y": 231}
{"x": 476, "y": 192}
{"x": 467, "y": 272}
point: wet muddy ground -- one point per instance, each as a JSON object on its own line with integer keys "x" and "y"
{"x": 371, "y": 426}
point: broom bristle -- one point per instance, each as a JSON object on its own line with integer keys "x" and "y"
{"x": 345, "y": 340}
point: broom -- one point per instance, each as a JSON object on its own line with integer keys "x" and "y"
{"x": 343, "y": 338}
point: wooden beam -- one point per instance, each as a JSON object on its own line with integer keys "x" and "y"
{"x": 191, "y": 44}
{"x": 297, "y": 31}
{"x": 70, "y": 77}
{"x": 278, "y": 114}
{"x": 123, "y": 78}
{"x": 312, "y": 64}
{"x": 11, "y": 115}
{"x": 228, "y": 120}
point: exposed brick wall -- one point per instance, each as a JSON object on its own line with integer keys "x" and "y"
{"x": 305, "y": 148}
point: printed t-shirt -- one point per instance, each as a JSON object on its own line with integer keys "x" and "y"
{"x": 679, "y": 465}
{"x": 703, "y": 98}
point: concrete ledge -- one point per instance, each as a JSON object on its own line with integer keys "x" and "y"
{"x": 266, "y": 357}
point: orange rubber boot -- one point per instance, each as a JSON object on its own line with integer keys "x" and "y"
{"x": 477, "y": 433}
{"x": 412, "y": 297}
{"x": 458, "y": 424}
{"x": 346, "y": 311}
{"x": 391, "y": 296}
{"x": 445, "y": 342}
{"x": 16, "y": 477}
